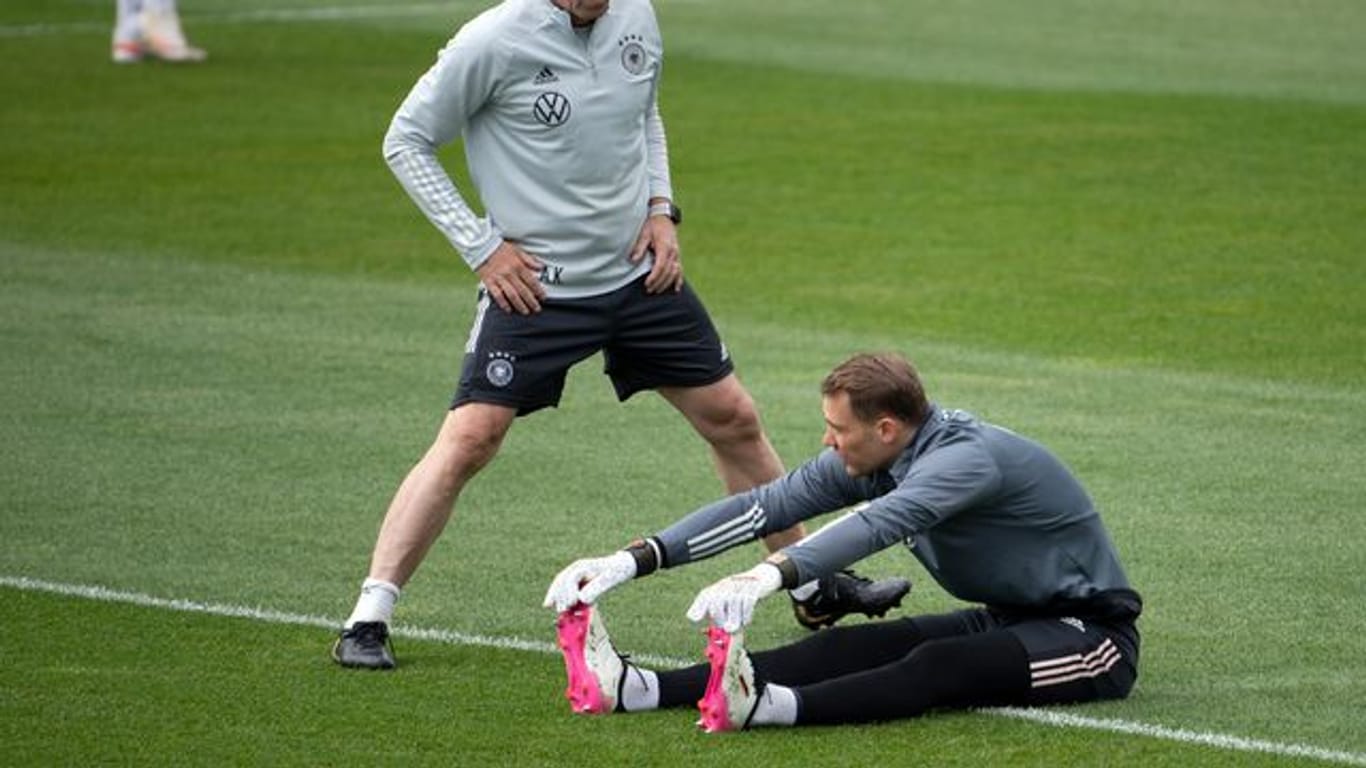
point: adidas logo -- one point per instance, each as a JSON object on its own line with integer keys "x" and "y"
{"x": 545, "y": 76}
{"x": 1074, "y": 623}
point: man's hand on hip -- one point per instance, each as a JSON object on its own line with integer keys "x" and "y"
{"x": 513, "y": 278}
{"x": 659, "y": 236}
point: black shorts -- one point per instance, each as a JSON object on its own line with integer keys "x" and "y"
{"x": 1070, "y": 659}
{"x": 648, "y": 341}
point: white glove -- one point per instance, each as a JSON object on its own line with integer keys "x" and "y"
{"x": 585, "y": 580}
{"x": 730, "y": 601}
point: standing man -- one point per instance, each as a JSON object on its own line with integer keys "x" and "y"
{"x": 578, "y": 253}
{"x": 994, "y": 517}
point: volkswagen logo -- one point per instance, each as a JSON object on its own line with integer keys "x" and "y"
{"x": 551, "y": 109}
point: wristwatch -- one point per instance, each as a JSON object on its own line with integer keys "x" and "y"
{"x": 674, "y": 213}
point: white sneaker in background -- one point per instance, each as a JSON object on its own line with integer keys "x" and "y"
{"x": 164, "y": 38}
{"x": 127, "y": 51}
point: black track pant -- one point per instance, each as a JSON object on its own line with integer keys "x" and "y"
{"x": 906, "y": 667}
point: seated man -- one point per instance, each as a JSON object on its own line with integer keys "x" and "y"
{"x": 994, "y": 517}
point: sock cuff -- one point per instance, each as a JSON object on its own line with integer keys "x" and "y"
{"x": 777, "y": 705}
{"x": 370, "y": 585}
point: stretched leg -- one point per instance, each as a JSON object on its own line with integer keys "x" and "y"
{"x": 830, "y": 653}
{"x": 987, "y": 669}
{"x": 469, "y": 438}
{"x": 1030, "y": 662}
{"x": 724, "y": 414}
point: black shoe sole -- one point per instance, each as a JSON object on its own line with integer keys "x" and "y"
{"x": 830, "y": 619}
{"x": 381, "y": 667}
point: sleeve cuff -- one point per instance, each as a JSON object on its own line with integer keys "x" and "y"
{"x": 477, "y": 255}
{"x": 787, "y": 568}
{"x": 648, "y": 554}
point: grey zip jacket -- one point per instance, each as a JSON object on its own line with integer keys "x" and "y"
{"x": 562, "y": 137}
{"x": 994, "y": 517}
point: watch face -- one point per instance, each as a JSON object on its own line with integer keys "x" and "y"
{"x": 675, "y": 213}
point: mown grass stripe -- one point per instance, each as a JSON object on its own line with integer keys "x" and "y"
{"x": 1043, "y": 716}
{"x": 1219, "y": 740}
{"x": 104, "y": 594}
{"x": 331, "y": 13}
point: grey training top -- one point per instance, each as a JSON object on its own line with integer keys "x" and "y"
{"x": 562, "y": 135}
{"x": 994, "y": 517}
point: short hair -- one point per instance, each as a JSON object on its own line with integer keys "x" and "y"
{"x": 879, "y": 383}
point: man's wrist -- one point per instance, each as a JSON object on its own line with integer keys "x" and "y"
{"x": 768, "y": 576}
{"x": 665, "y": 207}
{"x": 648, "y": 554}
{"x": 786, "y": 568}
{"x": 478, "y": 255}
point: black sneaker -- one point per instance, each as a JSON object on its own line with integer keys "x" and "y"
{"x": 365, "y": 645}
{"x": 845, "y": 592}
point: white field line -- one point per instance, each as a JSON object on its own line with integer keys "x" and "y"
{"x": 1044, "y": 716}
{"x": 1219, "y": 740}
{"x": 335, "y": 13}
{"x": 449, "y": 637}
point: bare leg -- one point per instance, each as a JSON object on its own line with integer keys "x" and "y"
{"x": 724, "y": 414}
{"x": 469, "y": 438}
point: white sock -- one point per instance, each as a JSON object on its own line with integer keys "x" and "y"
{"x": 376, "y": 602}
{"x": 127, "y": 23}
{"x": 777, "y": 706}
{"x": 806, "y": 590}
{"x": 640, "y": 691}
{"x": 161, "y": 6}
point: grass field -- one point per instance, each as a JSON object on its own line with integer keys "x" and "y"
{"x": 1131, "y": 230}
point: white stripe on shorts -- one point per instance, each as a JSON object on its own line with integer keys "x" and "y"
{"x": 1075, "y": 666}
{"x": 478, "y": 322}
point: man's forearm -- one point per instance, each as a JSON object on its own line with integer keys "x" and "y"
{"x": 428, "y": 184}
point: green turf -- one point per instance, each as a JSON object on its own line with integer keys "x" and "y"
{"x": 111, "y": 684}
{"x": 1302, "y": 50}
{"x": 232, "y": 422}
{"x": 1194, "y": 232}
{"x": 226, "y": 333}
